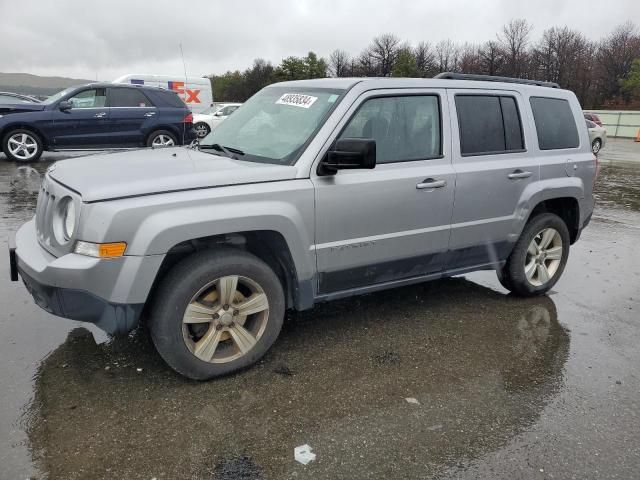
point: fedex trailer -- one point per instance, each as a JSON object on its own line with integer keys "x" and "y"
{"x": 196, "y": 92}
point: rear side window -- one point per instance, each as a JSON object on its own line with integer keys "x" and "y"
{"x": 555, "y": 124}
{"x": 128, "y": 97}
{"x": 172, "y": 99}
{"x": 489, "y": 124}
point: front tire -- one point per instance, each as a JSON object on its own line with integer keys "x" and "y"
{"x": 202, "y": 129}
{"x": 538, "y": 258}
{"x": 216, "y": 312}
{"x": 22, "y": 145}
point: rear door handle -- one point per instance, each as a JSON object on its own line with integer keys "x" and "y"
{"x": 100, "y": 115}
{"x": 431, "y": 183}
{"x": 519, "y": 174}
{"x": 149, "y": 114}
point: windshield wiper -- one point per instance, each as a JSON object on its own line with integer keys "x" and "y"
{"x": 228, "y": 151}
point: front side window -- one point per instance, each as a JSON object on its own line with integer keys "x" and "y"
{"x": 275, "y": 124}
{"x": 555, "y": 124}
{"x": 128, "y": 97}
{"x": 94, "y": 98}
{"x": 489, "y": 124}
{"x": 404, "y": 128}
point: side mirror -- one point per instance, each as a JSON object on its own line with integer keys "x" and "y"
{"x": 217, "y": 114}
{"x": 350, "y": 154}
{"x": 65, "y": 106}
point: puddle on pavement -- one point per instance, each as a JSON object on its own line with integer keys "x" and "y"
{"x": 482, "y": 372}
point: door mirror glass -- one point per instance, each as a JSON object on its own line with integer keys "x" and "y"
{"x": 65, "y": 106}
{"x": 350, "y": 154}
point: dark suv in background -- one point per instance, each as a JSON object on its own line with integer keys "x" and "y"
{"x": 100, "y": 115}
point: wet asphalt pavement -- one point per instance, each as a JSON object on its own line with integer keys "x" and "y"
{"x": 507, "y": 388}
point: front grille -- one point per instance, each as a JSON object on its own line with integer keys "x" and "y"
{"x": 44, "y": 212}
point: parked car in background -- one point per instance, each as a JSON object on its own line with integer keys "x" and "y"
{"x": 195, "y": 91}
{"x": 100, "y": 115}
{"x": 597, "y": 136}
{"x": 593, "y": 118}
{"x": 11, "y": 98}
{"x": 210, "y": 119}
{"x": 314, "y": 190}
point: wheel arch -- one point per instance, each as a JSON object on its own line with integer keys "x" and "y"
{"x": 25, "y": 126}
{"x": 168, "y": 128}
{"x": 567, "y": 208}
{"x": 268, "y": 245}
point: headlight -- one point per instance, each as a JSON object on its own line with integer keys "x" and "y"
{"x": 64, "y": 221}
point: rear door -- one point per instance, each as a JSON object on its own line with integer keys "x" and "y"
{"x": 494, "y": 164}
{"x": 390, "y": 223}
{"x": 131, "y": 110}
{"x": 86, "y": 124}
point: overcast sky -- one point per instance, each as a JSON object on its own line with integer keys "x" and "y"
{"x": 108, "y": 38}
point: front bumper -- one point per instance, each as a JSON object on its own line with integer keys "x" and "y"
{"x": 108, "y": 292}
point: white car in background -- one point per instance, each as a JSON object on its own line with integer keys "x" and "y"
{"x": 597, "y": 136}
{"x": 208, "y": 120}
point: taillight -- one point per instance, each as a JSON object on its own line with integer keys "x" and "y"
{"x": 188, "y": 118}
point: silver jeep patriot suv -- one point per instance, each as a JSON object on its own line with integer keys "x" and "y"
{"x": 312, "y": 191}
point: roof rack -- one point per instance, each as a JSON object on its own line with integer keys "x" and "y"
{"x": 491, "y": 78}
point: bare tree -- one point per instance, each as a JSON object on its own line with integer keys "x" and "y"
{"x": 514, "y": 40}
{"x": 339, "y": 63}
{"x": 384, "y": 50}
{"x": 446, "y": 56}
{"x": 425, "y": 60}
{"x": 614, "y": 58}
{"x": 469, "y": 60}
{"x": 491, "y": 58}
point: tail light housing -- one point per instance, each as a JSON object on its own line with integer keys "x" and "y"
{"x": 188, "y": 118}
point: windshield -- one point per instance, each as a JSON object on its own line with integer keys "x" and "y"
{"x": 57, "y": 96}
{"x": 274, "y": 125}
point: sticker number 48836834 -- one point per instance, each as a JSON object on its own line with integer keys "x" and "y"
{"x": 296, "y": 100}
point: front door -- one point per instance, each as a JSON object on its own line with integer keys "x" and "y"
{"x": 392, "y": 222}
{"x": 86, "y": 124}
{"x": 129, "y": 110}
{"x": 493, "y": 168}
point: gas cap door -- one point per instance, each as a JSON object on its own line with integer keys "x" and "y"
{"x": 571, "y": 167}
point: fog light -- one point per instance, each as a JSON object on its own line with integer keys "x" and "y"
{"x": 100, "y": 250}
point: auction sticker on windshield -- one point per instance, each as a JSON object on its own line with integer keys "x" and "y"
{"x": 297, "y": 100}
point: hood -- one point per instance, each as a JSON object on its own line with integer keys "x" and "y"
{"x": 149, "y": 171}
{"x": 7, "y": 108}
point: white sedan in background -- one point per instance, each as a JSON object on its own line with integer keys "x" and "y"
{"x": 208, "y": 120}
{"x": 597, "y": 135}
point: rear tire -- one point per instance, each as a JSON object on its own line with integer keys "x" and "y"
{"x": 538, "y": 258}
{"x": 596, "y": 145}
{"x": 201, "y": 323}
{"x": 161, "y": 139}
{"x": 22, "y": 145}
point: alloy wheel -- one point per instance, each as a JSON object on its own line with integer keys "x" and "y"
{"x": 544, "y": 256}
{"x": 163, "y": 140}
{"x": 201, "y": 130}
{"x": 225, "y": 319}
{"x": 23, "y": 146}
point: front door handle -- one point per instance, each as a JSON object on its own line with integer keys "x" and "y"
{"x": 431, "y": 183}
{"x": 100, "y": 115}
{"x": 519, "y": 174}
{"x": 149, "y": 114}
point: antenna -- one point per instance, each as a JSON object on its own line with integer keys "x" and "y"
{"x": 184, "y": 66}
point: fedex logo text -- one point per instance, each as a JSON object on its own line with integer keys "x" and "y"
{"x": 190, "y": 96}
